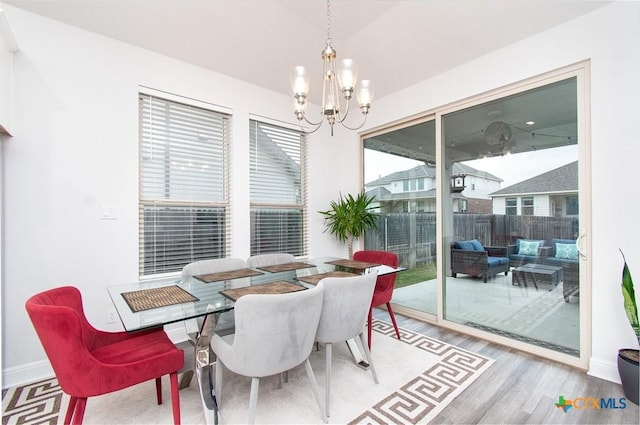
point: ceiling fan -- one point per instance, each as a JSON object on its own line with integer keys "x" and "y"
{"x": 497, "y": 133}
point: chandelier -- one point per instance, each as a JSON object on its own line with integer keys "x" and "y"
{"x": 338, "y": 86}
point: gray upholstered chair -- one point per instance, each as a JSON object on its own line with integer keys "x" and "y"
{"x": 345, "y": 308}
{"x": 224, "y": 323}
{"x": 216, "y": 265}
{"x": 264, "y": 260}
{"x": 274, "y": 333}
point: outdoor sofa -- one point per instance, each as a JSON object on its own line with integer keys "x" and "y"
{"x": 471, "y": 258}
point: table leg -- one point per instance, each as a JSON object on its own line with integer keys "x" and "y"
{"x": 204, "y": 358}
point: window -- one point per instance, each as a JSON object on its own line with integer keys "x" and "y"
{"x": 183, "y": 184}
{"x": 405, "y": 185}
{"x": 572, "y": 205}
{"x": 511, "y": 206}
{"x": 420, "y": 184}
{"x": 277, "y": 190}
{"x": 527, "y": 206}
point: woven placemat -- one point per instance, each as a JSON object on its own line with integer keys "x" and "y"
{"x": 286, "y": 267}
{"x": 147, "y": 299}
{"x": 315, "y": 278}
{"x": 278, "y": 287}
{"x": 228, "y": 275}
{"x": 352, "y": 264}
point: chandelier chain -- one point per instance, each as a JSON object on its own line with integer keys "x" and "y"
{"x": 328, "y": 22}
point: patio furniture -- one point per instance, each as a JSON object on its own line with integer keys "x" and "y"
{"x": 471, "y": 258}
{"x": 536, "y": 273}
{"x": 527, "y": 251}
{"x": 564, "y": 253}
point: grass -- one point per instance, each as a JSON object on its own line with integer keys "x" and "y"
{"x": 416, "y": 275}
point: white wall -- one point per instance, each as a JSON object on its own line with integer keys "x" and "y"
{"x": 609, "y": 38}
{"x": 75, "y": 150}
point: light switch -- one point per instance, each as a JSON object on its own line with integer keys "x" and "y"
{"x": 109, "y": 213}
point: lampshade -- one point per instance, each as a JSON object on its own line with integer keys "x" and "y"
{"x": 300, "y": 81}
{"x": 365, "y": 93}
{"x": 348, "y": 75}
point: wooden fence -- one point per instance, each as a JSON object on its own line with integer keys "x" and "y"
{"x": 413, "y": 235}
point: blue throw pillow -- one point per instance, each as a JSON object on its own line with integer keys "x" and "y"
{"x": 528, "y": 247}
{"x": 477, "y": 246}
{"x": 567, "y": 251}
{"x": 466, "y": 245}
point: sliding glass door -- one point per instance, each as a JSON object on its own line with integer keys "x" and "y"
{"x": 517, "y": 160}
{"x": 489, "y": 226}
{"x": 400, "y": 171}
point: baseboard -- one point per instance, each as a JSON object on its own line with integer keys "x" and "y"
{"x": 23, "y": 374}
{"x": 604, "y": 370}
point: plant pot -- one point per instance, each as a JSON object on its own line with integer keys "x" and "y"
{"x": 629, "y": 373}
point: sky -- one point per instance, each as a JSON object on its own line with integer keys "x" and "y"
{"x": 510, "y": 168}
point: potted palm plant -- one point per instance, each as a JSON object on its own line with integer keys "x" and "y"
{"x": 627, "y": 357}
{"x": 349, "y": 217}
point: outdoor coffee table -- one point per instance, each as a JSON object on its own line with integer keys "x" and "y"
{"x": 536, "y": 273}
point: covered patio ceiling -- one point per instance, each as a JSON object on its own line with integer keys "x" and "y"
{"x": 552, "y": 109}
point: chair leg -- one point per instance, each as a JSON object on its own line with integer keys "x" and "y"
{"x": 327, "y": 379}
{"x": 78, "y": 413}
{"x": 159, "y": 390}
{"x": 314, "y": 387}
{"x": 253, "y": 399}
{"x": 369, "y": 327}
{"x": 70, "y": 408}
{"x": 393, "y": 319}
{"x": 175, "y": 397}
{"x": 367, "y": 354}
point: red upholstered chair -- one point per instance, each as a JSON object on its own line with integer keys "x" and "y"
{"x": 89, "y": 362}
{"x": 384, "y": 285}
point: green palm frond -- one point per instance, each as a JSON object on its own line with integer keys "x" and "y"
{"x": 349, "y": 216}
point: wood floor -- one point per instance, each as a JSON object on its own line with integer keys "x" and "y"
{"x": 521, "y": 388}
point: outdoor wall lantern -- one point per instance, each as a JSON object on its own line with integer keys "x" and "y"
{"x": 457, "y": 183}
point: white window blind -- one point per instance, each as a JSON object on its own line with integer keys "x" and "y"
{"x": 184, "y": 180}
{"x": 277, "y": 190}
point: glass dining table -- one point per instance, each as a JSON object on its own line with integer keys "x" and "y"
{"x": 154, "y": 303}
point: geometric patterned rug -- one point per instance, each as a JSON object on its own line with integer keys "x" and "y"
{"x": 418, "y": 400}
{"x": 36, "y": 403}
{"x": 424, "y": 397}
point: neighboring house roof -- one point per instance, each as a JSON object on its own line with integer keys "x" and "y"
{"x": 430, "y": 172}
{"x": 459, "y": 168}
{"x": 378, "y": 192}
{"x": 562, "y": 179}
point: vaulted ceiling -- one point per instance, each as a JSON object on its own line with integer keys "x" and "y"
{"x": 395, "y": 43}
